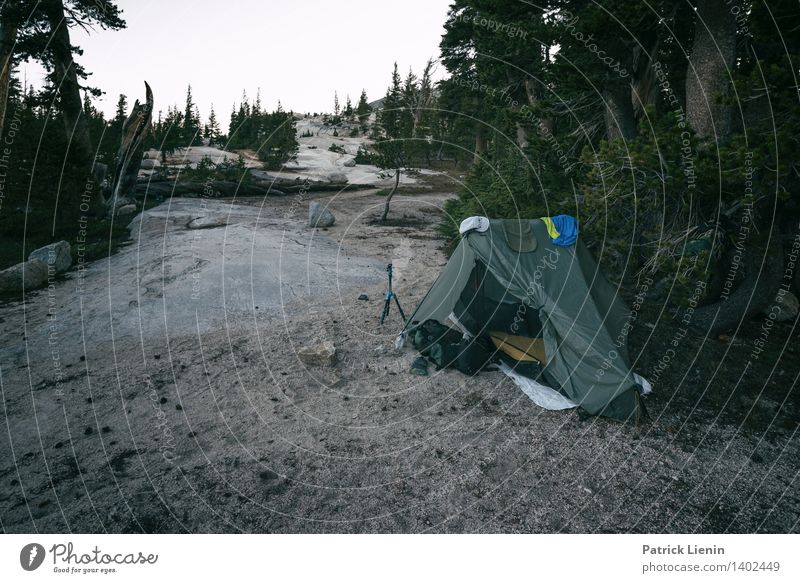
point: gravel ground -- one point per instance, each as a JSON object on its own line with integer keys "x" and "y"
{"x": 168, "y": 415}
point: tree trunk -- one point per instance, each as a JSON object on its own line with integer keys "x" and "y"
{"x": 8, "y": 36}
{"x": 522, "y": 136}
{"x": 480, "y": 144}
{"x": 645, "y": 81}
{"x": 129, "y": 157}
{"x": 708, "y": 71}
{"x": 764, "y": 270}
{"x": 66, "y": 79}
{"x": 545, "y": 123}
{"x": 619, "y": 115}
{"x": 391, "y": 194}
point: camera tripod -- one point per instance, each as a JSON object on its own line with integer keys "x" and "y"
{"x": 388, "y": 299}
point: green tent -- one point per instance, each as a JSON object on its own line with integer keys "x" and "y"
{"x": 511, "y": 279}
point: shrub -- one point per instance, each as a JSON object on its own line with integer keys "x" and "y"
{"x": 363, "y": 156}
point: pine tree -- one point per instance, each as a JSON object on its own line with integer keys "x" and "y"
{"x": 335, "y": 104}
{"x": 122, "y": 110}
{"x": 393, "y": 132}
{"x": 363, "y": 109}
{"x": 113, "y": 136}
{"x": 213, "y": 129}
{"x": 348, "y": 108}
{"x": 191, "y": 120}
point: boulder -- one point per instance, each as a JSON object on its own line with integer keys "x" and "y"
{"x": 23, "y": 276}
{"x": 319, "y": 216}
{"x": 349, "y": 163}
{"x": 784, "y": 308}
{"x": 57, "y": 255}
{"x": 126, "y": 209}
{"x": 319, "y": 354}
{"x": 150, "y": 164}
{"x": 337, "y": 178}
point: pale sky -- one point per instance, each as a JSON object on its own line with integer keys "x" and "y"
{"x": 298, "y": 51}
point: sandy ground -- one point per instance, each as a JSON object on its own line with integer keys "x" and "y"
{"x": 168, "y": 397}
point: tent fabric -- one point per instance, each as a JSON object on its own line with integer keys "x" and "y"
{"x": 540, "y": 394}
{"x": 583, "y": 321}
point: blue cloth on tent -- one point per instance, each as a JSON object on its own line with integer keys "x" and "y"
{"x": 567, "y": 228}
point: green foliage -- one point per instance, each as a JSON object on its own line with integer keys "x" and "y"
{"x": 337, "y": 148}
{"x": 227, "y": 170}
{"x": 400, "y": 138}
{"x": 191, "y": 132}
{"x": 272, "y": 135}
{"x": 211, "y": 130}
{"x": 166, "y": 133}
{"x": 536, "y": 123}
{"x": 363, "y": 109}
{"x": 363, "y": 156}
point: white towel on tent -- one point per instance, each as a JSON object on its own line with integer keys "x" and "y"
{"x": 540, "y": 394}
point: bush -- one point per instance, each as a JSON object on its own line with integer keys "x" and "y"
{"x": 337, "y": 148}
{"x": 363, "y": 156}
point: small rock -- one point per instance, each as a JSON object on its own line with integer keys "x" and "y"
{"x": 126, "y": 209}
{"x": 784, "y": 308}
{"x": 23, "y": 276}
{"x": 319, "y": 216}
{"x": 56, "y": 255}
{"x": 349, "y": 163}
{"x": 150, "y": 163}
{"x": 322, "y": 354}
{"x": 207, "y": 223}
{"x": 363, "y": 297}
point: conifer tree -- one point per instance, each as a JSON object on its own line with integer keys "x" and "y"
{"x": 191, "y": 120}
{"x": 213, "y": 133}
{"x": 348, "y": 108}
{"x": 393, "y": 133}
{"x": 363, "y": 109}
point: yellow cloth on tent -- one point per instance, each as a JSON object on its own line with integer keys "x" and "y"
{"x": 551, "y": 227}
{"x": 519, "y": 348}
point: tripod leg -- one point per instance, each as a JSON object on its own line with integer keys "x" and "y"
{"x": 385, "y": 308}
{"x": 396, "y": 301}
